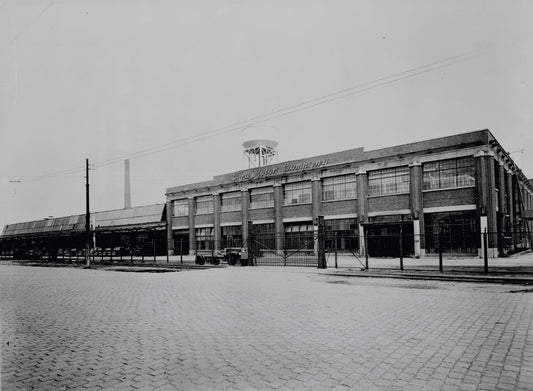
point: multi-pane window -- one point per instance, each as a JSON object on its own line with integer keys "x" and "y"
{"x": 231, "y": 236}
{"x": 344, "y": 232}
{"x": 204, "y": 238}
{"x": 262, "y": 197}
{"x": 299, "y": 236}
{"x": 181, "y": 208}
{"x": 297, "y": 193}
{"x": 339, "y": 188}
{"x": 388, "y": 181}
{"x": 204, "y": 205}
{"x": 458, "y": 232}
{"x": 445, "y": 174}
{"x": 230, "y": 201}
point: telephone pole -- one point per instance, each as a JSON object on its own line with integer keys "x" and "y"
{"x": 87, "y": 218}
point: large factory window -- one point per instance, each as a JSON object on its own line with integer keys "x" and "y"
{"x": 231, "y": 236}
{"x": 388, "y": 181}
{"x": 230, "y": 202}
{"x": 181, "y": 208}
{"x": 262, "y": 197}
{"x": 297, "y": 193}
{"x": 458, "y": 231}
{"x": 339, "y": 188}
{"x": 204, "y": 238}
{"x": 446, "y": 174}
{"x": 204, "y": 205}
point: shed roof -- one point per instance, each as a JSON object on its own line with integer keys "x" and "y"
{"x": 141, "y": 216}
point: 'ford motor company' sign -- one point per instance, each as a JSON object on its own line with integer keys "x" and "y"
{"x": 278, "y": 169}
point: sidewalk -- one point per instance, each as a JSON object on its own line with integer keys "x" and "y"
{"x": 513, "y": 270}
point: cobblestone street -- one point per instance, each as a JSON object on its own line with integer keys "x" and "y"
{"x": 259, "y": 328}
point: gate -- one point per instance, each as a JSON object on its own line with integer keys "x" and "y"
{"x": 280, "y": 250}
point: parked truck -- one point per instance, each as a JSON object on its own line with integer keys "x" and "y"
{"x": 230, "y": 255}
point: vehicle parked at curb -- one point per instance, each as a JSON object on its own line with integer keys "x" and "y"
{"x": 230, "y": 255}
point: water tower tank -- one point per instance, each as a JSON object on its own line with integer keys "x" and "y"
{"x": 260, "y": 145}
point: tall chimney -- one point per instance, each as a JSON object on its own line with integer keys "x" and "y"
{"x": 127, "y": 190}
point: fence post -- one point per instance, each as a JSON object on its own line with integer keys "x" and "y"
{"x": 212, "y": 250}
{"x": 366, "y": 249}
{"x": 335, "y": 238}
{"x": 485, "y": 252}
{"x": 440, "y": 250}
{"x": 321, "y": 244}
{"x": 181, "y": 249}
{"x": 131, "y": 253}
{"x": 142, "y": 252}
{"x": 401, "y": 248}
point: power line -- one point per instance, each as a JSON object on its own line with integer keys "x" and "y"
{"x": 305, "y": 105}
{"x": 272, "y": 114}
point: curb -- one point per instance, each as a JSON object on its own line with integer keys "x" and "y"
{"x": 446, "y": 277}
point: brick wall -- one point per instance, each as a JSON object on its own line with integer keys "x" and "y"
{"x": 230, "y": 217}
{"x": 386, "y": 203}
{"x": 180, "y": 221}
{"x": 204, "y": 219}
{"x": 297, "y": 211}
{"x": 449, "y": 197}
{"x": 261, "y": 214}
{"x": 339, "y": 207}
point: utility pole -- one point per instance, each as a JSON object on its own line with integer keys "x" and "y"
{"x": 87, "y": 218}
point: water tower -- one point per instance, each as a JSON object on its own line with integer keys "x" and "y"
{"x": 260, "y": 147}
{"x": 260, "y": 152}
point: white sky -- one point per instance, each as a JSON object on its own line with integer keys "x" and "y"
{"x": 104, "y": 79}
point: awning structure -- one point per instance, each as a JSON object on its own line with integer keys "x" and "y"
{"x": 149, "y": 217}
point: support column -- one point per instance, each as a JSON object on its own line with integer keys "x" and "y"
{"x": 316, "y": 197}
{"x": 278, "y": 217}
{"x": 362, "y": 207}
{"x": 245, "y": 207}
{"x": 510, "y": 205}
{"x": 416, "y": 183}
{"x": 502, "y": 209}
{"x": 216, "y": 220}
{"x": 486, "y": 190}
{"x": 170, "y": 237}
{"x": 192, "y": 232}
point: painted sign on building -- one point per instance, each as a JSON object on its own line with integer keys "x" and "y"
{"x": 279, "y": 169}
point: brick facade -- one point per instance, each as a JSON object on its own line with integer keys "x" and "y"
{"x": 491, "y": 197}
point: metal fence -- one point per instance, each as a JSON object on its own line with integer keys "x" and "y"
{"x": 439, "y": 251}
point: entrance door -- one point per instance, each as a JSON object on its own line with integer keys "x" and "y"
{"x": 384, "y": 239}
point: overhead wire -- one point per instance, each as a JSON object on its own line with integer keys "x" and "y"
{"x": 278, "y": 113}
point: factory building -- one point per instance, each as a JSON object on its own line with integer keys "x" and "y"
{"x": 452, "y": 193}
{"x": 443, "y": 192}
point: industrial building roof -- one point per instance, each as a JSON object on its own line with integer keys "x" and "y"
{"x": 141, "y": 216}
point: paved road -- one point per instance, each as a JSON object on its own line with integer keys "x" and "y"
{"x": 259, "y": 328}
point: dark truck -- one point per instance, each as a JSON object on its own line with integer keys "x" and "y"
{"x": 230, "y": 255}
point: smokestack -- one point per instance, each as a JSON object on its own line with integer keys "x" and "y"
{"x": 127, "y": 189}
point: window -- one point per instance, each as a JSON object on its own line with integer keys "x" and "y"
{"x": 297, "y": 193}
{"x": 231, "y": 236}
{"x": 262, "y": 197}
{"x": 344, "y": 232}
{"x": 339, "y": 188}
{"x": 204, "y": 205}
{"x": 299, "y": 236}
{"x": 204, "y": 238}
{"x": 446, "y": 174}
{"x": 181, "y": 208}
{"x": 459, "y": 232}
{"x": 388, "y": 181}
{"x": 230, "y": 202}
